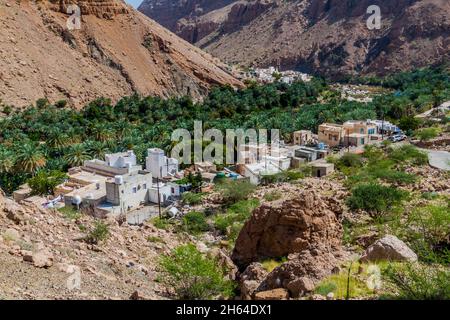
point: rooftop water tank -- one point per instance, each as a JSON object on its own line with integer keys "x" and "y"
{"x": 118, "y": 180}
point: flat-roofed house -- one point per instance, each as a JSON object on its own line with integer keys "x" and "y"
{"x": 302, "y": 137}
{"x": 331, "y": 134}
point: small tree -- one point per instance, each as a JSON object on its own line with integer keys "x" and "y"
{"x": 99, "y": 233}
{"x": 234, "y": 191}
{"x": 195, "y": 222}
{"x": 194, "y": 276}
{"x": 45, "y": 182}
{"x": 375, "y": 198}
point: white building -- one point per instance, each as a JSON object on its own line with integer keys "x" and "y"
{"x": 121, "y": 160}
{"x": 115, "y": 164}
{"x": 256, "y": 171}
{"x": 159, "y": 165}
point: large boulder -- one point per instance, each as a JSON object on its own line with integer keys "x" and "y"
{"x": 389, "y": 248}
{"x": 289, "y": 226}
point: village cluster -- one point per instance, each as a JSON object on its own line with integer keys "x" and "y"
{"x": 119, "y": 185}
{"x": 272, "y": 74}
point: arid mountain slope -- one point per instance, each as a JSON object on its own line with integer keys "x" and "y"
{"x": 116, "y": 52}
{"x": 328, "y": 37}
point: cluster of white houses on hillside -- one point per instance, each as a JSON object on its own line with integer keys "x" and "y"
{"x": 119, "y": 184}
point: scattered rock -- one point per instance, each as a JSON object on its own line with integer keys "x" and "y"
{"x": 251, "y": 279}
{"x": 275, "y": 294}
{"x": 40, "y": 259}
{"x": 300, "y": 286}
{"x": 389, "y": 248}
{"x": 330, "y": 296}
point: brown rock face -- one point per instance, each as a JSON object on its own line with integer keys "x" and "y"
{"x": 327, "y": 37}
{"x": 100, "y": 8}
{"x": 290, "y": 226}
{"x": 116, "y": 53}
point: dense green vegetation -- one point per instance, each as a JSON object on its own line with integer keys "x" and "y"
{"x": 193, "y": 275}
{"x": 53, "y": 137}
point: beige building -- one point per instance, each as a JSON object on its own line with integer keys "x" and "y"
{"x": 353, "y": 133}
{"x": 331, "y": 134}
{"x": 302, "y": 137}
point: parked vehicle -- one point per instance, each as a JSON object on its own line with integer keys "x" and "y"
{"x": 397, "y": 137}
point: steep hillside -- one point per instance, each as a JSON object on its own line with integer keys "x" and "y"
{"x": 328, "y": 37}
{"x": 117, "y": 51}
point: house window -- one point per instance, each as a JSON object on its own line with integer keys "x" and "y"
{"x": 172, "y": 190}
{"x": 361, "y": 130}
{"x": 134, "y": 190}
{"x": 362, "y": 141}
{"x": 145, "y": 186}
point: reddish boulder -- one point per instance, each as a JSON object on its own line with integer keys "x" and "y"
{"x": 291, "y": 226}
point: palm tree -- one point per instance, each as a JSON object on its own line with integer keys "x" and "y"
{"x": 76, "y": 155}
{"x": 102, "y": 133}
{"x": 30, "y": 158}
{"x": 97, "y": 149}
{"x": 58, "y": 140}
{"x": 6, "y": 162}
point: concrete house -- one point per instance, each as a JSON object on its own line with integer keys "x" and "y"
{"x": 159, "y": 165}
{"x": 129, "y": 191}
{"x": 302, "y": 137}
{"x": 322, "y": 169}
{"x": 331, "y": 134}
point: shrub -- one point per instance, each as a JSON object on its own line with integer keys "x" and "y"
{"x": 428, "y": 133}
{"x": 7, "y": 110}
{"x": 155, "y": 239}
{"x": 231, "y": 222}
{"x": 393, "y": 176}
{"x": 375, "y": 198}
{"x": 341, "y": 284}
{"x": 161, "y": 223}
{"x": 418, "y": 282}
{"x": 272, "y": 195}
{"x": 99, "y": 233}
{"x": 195, "y": 222}
{"x": 235, "y": 191}
{"x": 286, "y": 176}
{"x": 428, "y": 229}
{"x": 70, "y": 213}
{"x": 194, "y": 276}
{"x": 61, "y": 104}
{"x": 271, "y": 264}
{"x": 351, "y": 160}
{"x": 192, "y": 198}
{"x": 406, "y": 153}
{"x": 42, "y": 103}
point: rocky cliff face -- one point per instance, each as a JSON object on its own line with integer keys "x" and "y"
{"x": 327, "y": 37}
{"x": 117, "y": 52}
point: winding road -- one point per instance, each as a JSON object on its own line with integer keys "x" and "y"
{"x": 439, "y": 159}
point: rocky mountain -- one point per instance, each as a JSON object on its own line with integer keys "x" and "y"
{"x": 327, "y": 37}
{"x": 116, "y": 52}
